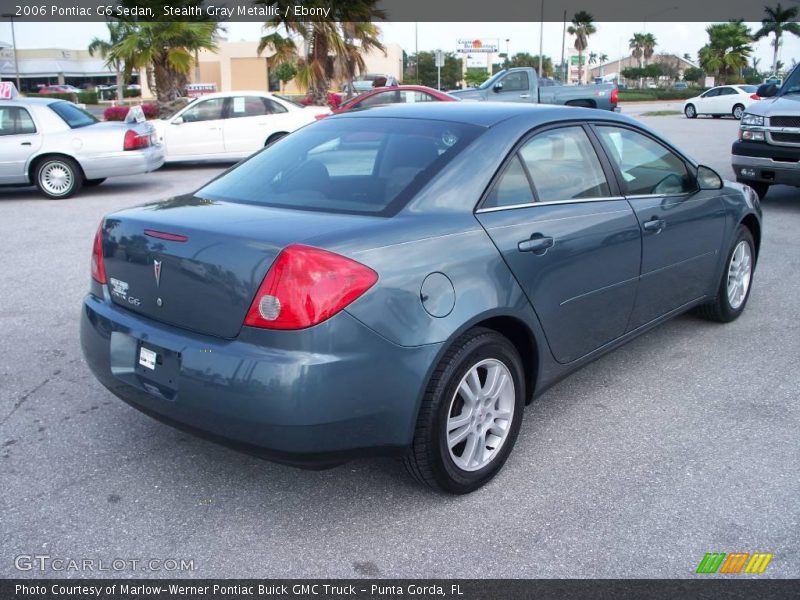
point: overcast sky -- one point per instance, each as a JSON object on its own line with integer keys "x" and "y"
{"x": 611, "y": 38}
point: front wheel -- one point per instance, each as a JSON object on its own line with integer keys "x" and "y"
{"x": 471, "y": 414}
{"x": 58, "y": 177}
{"x": 734, "y": 287}
{"x": 738, "y": 111}
{"x": 690, "y": 111}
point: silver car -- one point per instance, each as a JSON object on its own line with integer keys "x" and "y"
{"x": 60, "y": 147}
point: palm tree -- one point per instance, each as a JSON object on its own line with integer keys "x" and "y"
{"x": 636, "y": 45}
{"x": 332, "y": 48}
{"x": 727, "y": 50}
{"x": 648, "y": 46}
{"x": 116, "y": 31}
{"x": 582, "y": 27}
{"x": 778, "y": 21}
{"x": 603, "y": 58}
{"x": 166, "y": 48}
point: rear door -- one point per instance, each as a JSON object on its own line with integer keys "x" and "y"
{"x": 572, "y": 242}
{"x": 19, "y": 139}
{"x": 198, "y": 131}
{"x": 682, "y": 226}
{"x": 249, "y": 122}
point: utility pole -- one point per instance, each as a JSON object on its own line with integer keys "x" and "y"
{"x": 541, "y": 40}
{"x": 10, "y": 17}
{"x": 416, "y": 52}
{"x": 563, "y": 46}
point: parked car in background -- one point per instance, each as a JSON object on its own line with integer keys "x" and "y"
{"x": 680, "y": 85}
{"x": 369, "y": 81}
{"x": 59, "y": 147}
{"x": 406, "y": 279}
{"x": 768, "y": 149}
{"x": 58, "y": 89}
{"x": 404, "y": 94}
{"x": 230, "y": 125}
{"x": 730, "y": 100}
{"x": 522, "y": 85}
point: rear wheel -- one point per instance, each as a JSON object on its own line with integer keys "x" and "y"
{"x": 471, "y": 414}
{"x": 738, "y": 111}
{"x": 734, "y": 287}
{"x": 93, "y": 182}
{"x": 58, "y": 177}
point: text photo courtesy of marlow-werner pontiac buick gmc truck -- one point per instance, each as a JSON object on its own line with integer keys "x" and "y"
{"x": 768, "y": 149}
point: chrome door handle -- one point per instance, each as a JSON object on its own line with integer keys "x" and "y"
{"x": 537, "y": 243}
{"x": 655, "y": 225}
{"x": 25, "y": 144}
{"x": 524, "y": 95}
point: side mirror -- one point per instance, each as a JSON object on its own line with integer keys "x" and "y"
{"x": 708, "y": 178}
{"x": 177, "y": 120}
{"x": 767, "y": 90}
{"x": 498, "y": 87}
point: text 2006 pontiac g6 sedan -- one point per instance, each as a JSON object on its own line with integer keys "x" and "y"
{"x": 406, "y": 279}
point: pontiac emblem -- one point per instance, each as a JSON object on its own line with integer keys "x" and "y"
{"x": 157, "y": 271}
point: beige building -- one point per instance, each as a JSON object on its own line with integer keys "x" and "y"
{"x": 611, "y": 70}
{"x": 50, "y": 66}
{"x": 237, "y": 66}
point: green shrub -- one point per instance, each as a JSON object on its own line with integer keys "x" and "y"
{"x": 126, "y": 93}
{"x": 87, "y": 97}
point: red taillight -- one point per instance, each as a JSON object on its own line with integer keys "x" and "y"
{"x": 755, "y": 97}
{"x": 614, "y": 95}
{"x": 136, "y": 141}
{"x": 98, "y": 268}
{"x": 322, "y": 116}
{"x": 165, "y": 235}
{"x": 306, "y": 286}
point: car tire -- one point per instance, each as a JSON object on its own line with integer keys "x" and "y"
{"x": 738, "y": 111}
{"x": 93, "y": 182}
{"x": 275, "y": 137}
{"x": 58, "y": 177}
{"x": 469, "y": 367}
{"x": 759, "y": 187}
{"x": 736, "y": 281}
{"x": 690, "y": 111}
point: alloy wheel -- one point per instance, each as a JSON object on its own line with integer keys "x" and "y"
{"x": 56, "y": 178}
{"x": 739, "y": 274}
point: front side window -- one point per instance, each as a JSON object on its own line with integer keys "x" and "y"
{"x": 370, "y": 166}
{"x": 204, "y": 110}
{"x": 381, "y": 98}
{"x": 646, "y": 166}
{"x": 515, "y": 82}
{"x": 711, "y": 93}
{"x": 72, "y": 115}
{"x": 563, "y": 166}
{"x": 15, "y": 120}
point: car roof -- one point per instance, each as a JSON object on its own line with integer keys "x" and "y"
{"x": 484, "y": 114}
{"x": 236, "y": 93}
{"x": 30, "y": 101}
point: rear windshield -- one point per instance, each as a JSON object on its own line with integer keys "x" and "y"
{"x": 72, "y": 115}
{"x": 750, "y": 89}
{"x": 368, "y": 166}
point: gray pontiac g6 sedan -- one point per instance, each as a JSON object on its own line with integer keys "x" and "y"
{"x": 406, "y": 279}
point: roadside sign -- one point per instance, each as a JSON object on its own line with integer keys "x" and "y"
{"x": 478, "y": 45}
{"x": 135, "y": 115}
{"x": 8, "y": 90}
{"x": 439, "y": 58}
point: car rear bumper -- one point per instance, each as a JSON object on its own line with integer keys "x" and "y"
{"x": 130, "y": 162}
{"x": 310, "y": 398}
{"x": 765, "y": 163}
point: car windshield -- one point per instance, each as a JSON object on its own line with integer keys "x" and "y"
{"x": 491, "y": 81}
{"x": 72, "y": 115}
{"x": 370, "y": 166}
{"x": 288, "y": 100}
{"x": 792, "y": 84}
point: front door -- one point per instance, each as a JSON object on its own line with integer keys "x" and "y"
{"x": 197, "y": 131}
{"x": 516, "y": 87}
{"x": 682, "y": 226}
{"x": 571, "y": 242}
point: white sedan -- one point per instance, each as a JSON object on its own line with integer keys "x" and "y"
{"x": 722, "y": 100}
{"x": 230, "y": 125}
{"x": 58, "y": 147}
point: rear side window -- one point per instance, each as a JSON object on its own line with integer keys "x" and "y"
{"x": 361, "y": 165}
{"x": 15, "y": 120}
{"x": 72, "y": 115}
{"x": 513, "y": 187}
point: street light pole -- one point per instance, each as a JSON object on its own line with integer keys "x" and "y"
{"x": 541, "y": 40}
{"x": 10, "y": 17}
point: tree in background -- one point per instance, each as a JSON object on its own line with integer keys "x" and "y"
{"x": 582, "y": 27}
{"x": 636, "y": 45}
{"x": 475, "y": 77}
{"x": 693, "y": 75}
{"x": 333, "y": 48}
{"x": 285, "y": 72}
{"x": 116, "y": 33}
{"x": 523, "y": 59}
{"x": 603, "y": 58}
{"x": 451, "y": 71}
{"x": 778, "y": 21}
{"x": 648, "y": 46}
{"x": 727, "y": 50}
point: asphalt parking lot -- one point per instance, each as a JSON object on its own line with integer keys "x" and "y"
{"x": 683, "y": 442}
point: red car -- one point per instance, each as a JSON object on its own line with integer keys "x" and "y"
{"x": 402, "y": 94}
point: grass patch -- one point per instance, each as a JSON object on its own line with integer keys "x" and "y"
{"x": 667, "y": 94}
{"x": 661, "y": 113}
